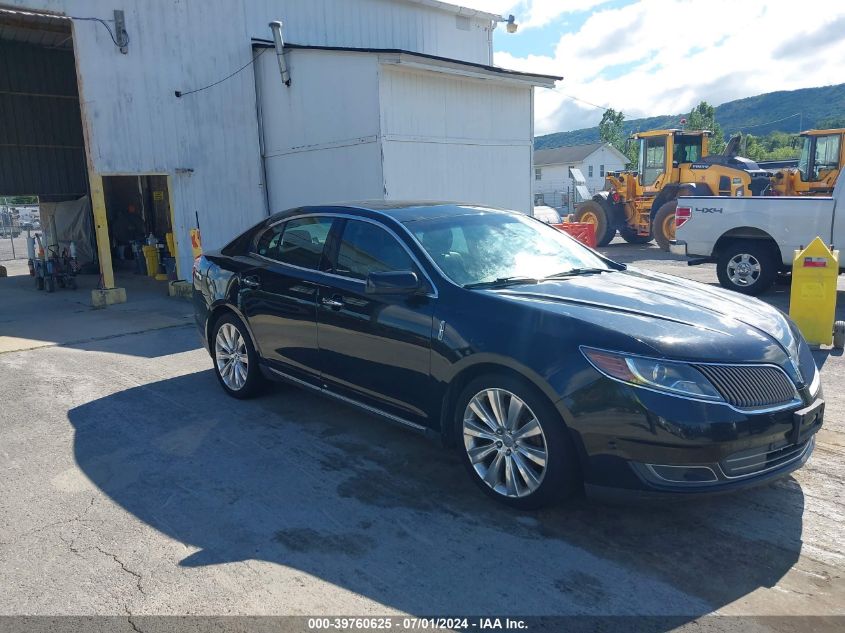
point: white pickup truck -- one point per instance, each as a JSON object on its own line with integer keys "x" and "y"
{"x": 752, "y": 240}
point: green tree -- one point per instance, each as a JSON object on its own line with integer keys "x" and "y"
{"x": 830, "y": 122}
{"x": 703, "y": 117}
{"x": 612, "y": 130}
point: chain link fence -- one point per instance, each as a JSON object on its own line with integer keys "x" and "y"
{"x": 564, "y": 200}
{"x": 12, "y": 238}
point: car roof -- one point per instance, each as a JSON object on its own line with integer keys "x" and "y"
{"x": 403, "y": 211}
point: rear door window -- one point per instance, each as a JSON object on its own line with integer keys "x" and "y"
{"x": 299, "y": 242}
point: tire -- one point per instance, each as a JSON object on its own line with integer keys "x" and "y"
{"x": 243, "y": 378}
{"x": 531, "y": 485}
{"x": 630, "y": 235}
{"x": 39, "y": 283}
{"x": 597, "y": 214}
{"x": 663, "y": 224}
{"x": 71, "y": 283}
{"x": 761, "y": 270}
{"x": 49, "y": 284}
{"x": 839, "y": 335}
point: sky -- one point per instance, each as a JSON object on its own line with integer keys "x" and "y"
{"x": 655, "y": 57}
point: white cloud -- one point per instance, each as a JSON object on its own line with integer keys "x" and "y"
{"x": 679, "y": 52}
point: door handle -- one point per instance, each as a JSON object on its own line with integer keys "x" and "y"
{"x": 251, "y": 282}
{"x": 335, "y": 303}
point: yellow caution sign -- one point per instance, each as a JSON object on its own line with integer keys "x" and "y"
{"x": 196, "y": 243}
{"x": 812, "y": 301}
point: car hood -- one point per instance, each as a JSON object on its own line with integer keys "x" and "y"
{"x": 674, "y": 317}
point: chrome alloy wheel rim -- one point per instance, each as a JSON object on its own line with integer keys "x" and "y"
{"x": 505, "y": 443}
{"x": 743, "y": 269}
{"x": 232, "y": 358}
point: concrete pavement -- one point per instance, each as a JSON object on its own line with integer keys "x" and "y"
{"x": 131, "y": 486}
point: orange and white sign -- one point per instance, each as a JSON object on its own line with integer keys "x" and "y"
{"x": 196, "y": 243}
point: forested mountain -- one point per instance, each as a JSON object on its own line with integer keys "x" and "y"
{"x": 816, "y": 107}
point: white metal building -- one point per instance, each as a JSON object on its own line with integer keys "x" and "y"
{"x": 552, "y": 180}
{"x": 393, "y": 99}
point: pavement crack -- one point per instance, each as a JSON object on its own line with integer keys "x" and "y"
{"x": 52, "y": 524}
{"x": 129, "y": 619}
{"x": 123, "y": 566}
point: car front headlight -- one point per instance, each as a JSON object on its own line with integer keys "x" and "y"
{"x": 662, "y": 375}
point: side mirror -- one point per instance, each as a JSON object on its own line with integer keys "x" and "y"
{"x": 402, "y": 282}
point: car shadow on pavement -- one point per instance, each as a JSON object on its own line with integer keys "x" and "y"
{"x": 295, "y": 479}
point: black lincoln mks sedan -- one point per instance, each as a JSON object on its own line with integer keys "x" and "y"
{"x": 546, "y": 365}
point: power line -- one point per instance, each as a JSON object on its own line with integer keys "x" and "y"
{"x": 107, "y": 27}
{"x": 791, "y": 116}
{"x": 589, "y": 103}
{"x": 249, "y": 63}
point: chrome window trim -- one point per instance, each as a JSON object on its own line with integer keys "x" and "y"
{"x": 346, "y": 216}
{"x": 366, "y": 407}
{"x": 796, "y": 400}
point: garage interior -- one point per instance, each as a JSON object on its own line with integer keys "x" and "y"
{"x": 43, "y": 154}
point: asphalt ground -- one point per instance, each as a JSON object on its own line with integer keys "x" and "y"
{"x": 131, "y": 486}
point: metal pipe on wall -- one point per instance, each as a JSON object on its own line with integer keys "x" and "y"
{"x": 279, "y": 42}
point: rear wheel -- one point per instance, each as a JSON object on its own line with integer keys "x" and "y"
{"x": 597, "y": 214}
{"x": 663, "y": 224}
{"x": 839, "y": 335}
{"x": 747, "y": 266}
{"x": 235, "y": 358}
{"x": 514, "y": 443}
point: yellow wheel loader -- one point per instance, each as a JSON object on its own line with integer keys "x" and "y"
{"x": 641, "y": 204}
{"x": 821, "y": 161}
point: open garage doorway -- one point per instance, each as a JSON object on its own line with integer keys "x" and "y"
{"x": 43, "y": 167}
{"x": 139, "y": 214}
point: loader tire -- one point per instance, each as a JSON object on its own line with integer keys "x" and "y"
{"x": 595, "y": 213}
{"x": 663, "y": 224}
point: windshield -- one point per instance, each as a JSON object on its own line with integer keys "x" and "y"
{"x": 485, "y": 247}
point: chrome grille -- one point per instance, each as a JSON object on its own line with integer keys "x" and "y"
{"x": 762, "y": 458}
{"x": 750, "y": 386}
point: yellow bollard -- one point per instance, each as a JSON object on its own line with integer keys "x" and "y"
{"x": 812, "y": 300}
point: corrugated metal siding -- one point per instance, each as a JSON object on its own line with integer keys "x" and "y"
{"x": 373, "y": 24}
{"x": 321, "y": 134}
{"x": 41, "y": 145}
{"x": 451, "y": 138}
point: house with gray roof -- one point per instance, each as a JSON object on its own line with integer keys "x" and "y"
{"x": 553, "y": 184}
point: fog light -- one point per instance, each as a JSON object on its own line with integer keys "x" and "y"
{"x": 683, "y": 474}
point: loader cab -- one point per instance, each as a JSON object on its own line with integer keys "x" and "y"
{"x": 821, "y": 155}
{"x": 662, "y": 152}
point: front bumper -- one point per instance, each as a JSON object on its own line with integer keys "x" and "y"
{"x": 645, "y": 443}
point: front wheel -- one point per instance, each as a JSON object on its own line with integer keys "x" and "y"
{"x": 597, "y": 214}
{"x": 747, "y": 266}
{"x": 235, "y": 358}
{"x": 514, "y": 443}
{"x": 663, "y": 224}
